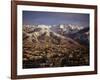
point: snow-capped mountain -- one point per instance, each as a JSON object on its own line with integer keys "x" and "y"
{"x": 81, "y": 36}
{"x": 72, "y": 33}
{"x": 40, "y": 30}
{"x": 40, "y": 33}
{"x": 66, "y": 28}
{"x": 56, "y": 45}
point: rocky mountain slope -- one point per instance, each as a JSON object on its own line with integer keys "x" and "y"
{"x": 50, "y": 46}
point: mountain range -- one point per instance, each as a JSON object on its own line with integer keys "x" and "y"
{"x": 66, "y": 42}
{"x": 72, "y": 33}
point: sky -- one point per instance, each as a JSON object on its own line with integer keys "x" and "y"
{"x": 54, "y": 18}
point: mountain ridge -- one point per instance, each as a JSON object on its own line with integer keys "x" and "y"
{"x": 44, "y": 47}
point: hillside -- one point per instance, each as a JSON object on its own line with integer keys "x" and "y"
{"x": 47, "y": 46}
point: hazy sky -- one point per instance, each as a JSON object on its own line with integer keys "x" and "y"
{"x": 53, "y": 18}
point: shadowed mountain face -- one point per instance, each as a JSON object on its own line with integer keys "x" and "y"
{"x": 55, "y": 46}
{"x": 82, "y": 36}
